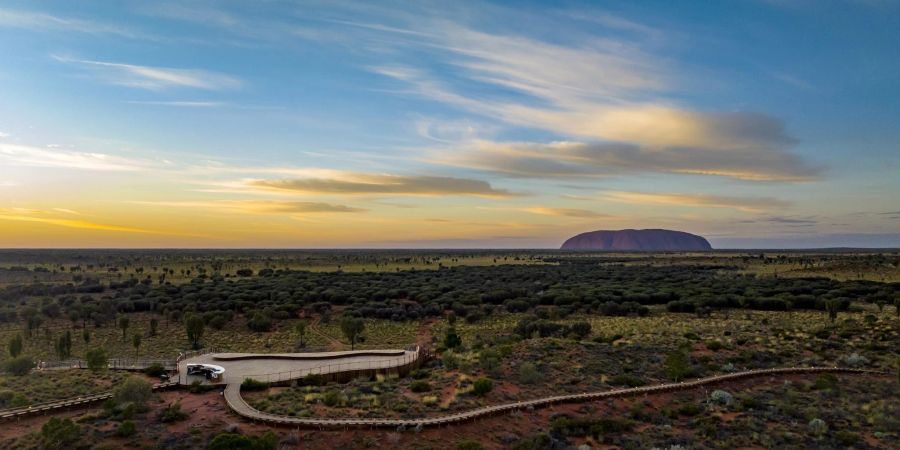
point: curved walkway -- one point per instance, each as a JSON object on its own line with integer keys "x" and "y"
{"x": 281, "y": 367}
{"x": 237, "y": 403}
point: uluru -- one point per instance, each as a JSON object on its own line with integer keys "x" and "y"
{"x": 637, "y": 240}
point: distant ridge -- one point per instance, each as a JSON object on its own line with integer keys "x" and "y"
{"x": 637, "y": 240}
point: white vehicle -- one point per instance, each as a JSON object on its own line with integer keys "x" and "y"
{"x": 210, "y": 371}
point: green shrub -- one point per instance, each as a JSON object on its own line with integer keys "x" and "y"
{"x": 540, "y": 442}
{"x": 469, "y": 445}
{"x": 19, "y": 366}
{"x": 197, "y": 387}
{"x": 126, "y": 429}
{"x": 172, "y": 413}
{"x": 846, "y": 438}
{"x": 259, "y": 322}
{"x": 250, "y": 384}
{"x": 588, "y": 427}
{"x": 419, "y": 386}
{"x": 817, "y": 427}
{"x": 826, "y": 381}
{"x": 482, "y": 386}
{"x": 689, "y": 409}
{"x": 714, "y": 345}
{"x": 313, "y": 380}
{"x": 97, "y": 359}
{"x": 528, "y": 373}
{"x": 60, "y": 433}
{"x": 451, "y": 339}
{"x": 627, "y": 380}
{"x": 155, "y": 370}
{"x": 677, "y": 365}
{"x": 331, "y": 398}
{"x": 11, "y": 399}
{"x": 234, "y": 441}
{"x": 134, "y": 391}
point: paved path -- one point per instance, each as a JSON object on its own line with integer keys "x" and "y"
{"x": 275, "y": 367}
{"x": 238, "y": 405}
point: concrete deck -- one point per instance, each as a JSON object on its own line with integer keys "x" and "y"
{"x": 287, "y": 366}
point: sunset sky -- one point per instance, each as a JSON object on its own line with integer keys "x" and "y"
{"x": 447, "y": 124}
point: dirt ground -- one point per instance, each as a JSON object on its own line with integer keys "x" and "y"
{"x": 208, "y": 415}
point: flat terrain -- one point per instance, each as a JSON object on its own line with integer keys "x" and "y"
{"x": 503, "y": 327}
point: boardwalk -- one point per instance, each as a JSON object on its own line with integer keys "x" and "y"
{"x": 239, "y": 406}
{"x": 68, "y": 403}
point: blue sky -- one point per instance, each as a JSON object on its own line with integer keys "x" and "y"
{"x": 473, "y": 124}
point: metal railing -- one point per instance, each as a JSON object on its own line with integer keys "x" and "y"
{"x": 192, "y": 353}
{"x": 234, "y": 401}
{"x": 410, "y": 356}
{"x": 114, "y": 363}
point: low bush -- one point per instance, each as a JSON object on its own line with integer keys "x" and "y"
{"x": 469, "y": 445}
{"x": 60, "y": 433}
{"x": 155, "y": 370}
{"x": 482, "y": 386}
{"x": 126, "y": 429}
{"x": 250, "y": 384}
{"x": 134, "y": 391}
{"x": 627, "y": 380}
{"x": 19, "y": 366}
{"x": 234, "y": 441}
{"x": 172, "y": 413}
{"x": 197, "y": 387}
{"x": 419, "y": 386}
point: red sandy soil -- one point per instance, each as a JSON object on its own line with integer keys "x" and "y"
{"x": 209, "y": 413}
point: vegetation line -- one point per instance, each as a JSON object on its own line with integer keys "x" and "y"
{"x": 238, "y": 405}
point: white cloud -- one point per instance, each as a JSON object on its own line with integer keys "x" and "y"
{"x": 155, "y": 78}
{"x": 746, "y": 204}
{"x": 23, "y": 155}
{"x": 37, "y": 21}
{"x": 181, "y": 104}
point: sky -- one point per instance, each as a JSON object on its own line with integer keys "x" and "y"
{"x": 340, "y": 124}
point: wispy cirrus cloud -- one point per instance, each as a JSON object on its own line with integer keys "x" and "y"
{"x": 355, "y": 183}
{"x": 747, "y": 204}
{"x": 566, "y": 212}
{"x": 259, "y": 206}
{"x": 180, "y": 104}
{"x": 605, "y": 159}
{"x": 600, "y": 92}
{"x": 154, "y": 78}
{"x": 24, "y": 155}
{"x": 788, "y": 221}
{"x": 39, "y": 21}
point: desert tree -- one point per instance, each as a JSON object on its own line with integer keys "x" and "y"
{"x": 301, "y": 329}
{"x": 123, "y": 324}
{"x": 194, "y": 327}
{"x": 15, "y": 346}
{"x": 352, "y": 327}
{"x": 97, "y": 359}
{"x": 136, "y": 343}
{"x": 677, "y": 365}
